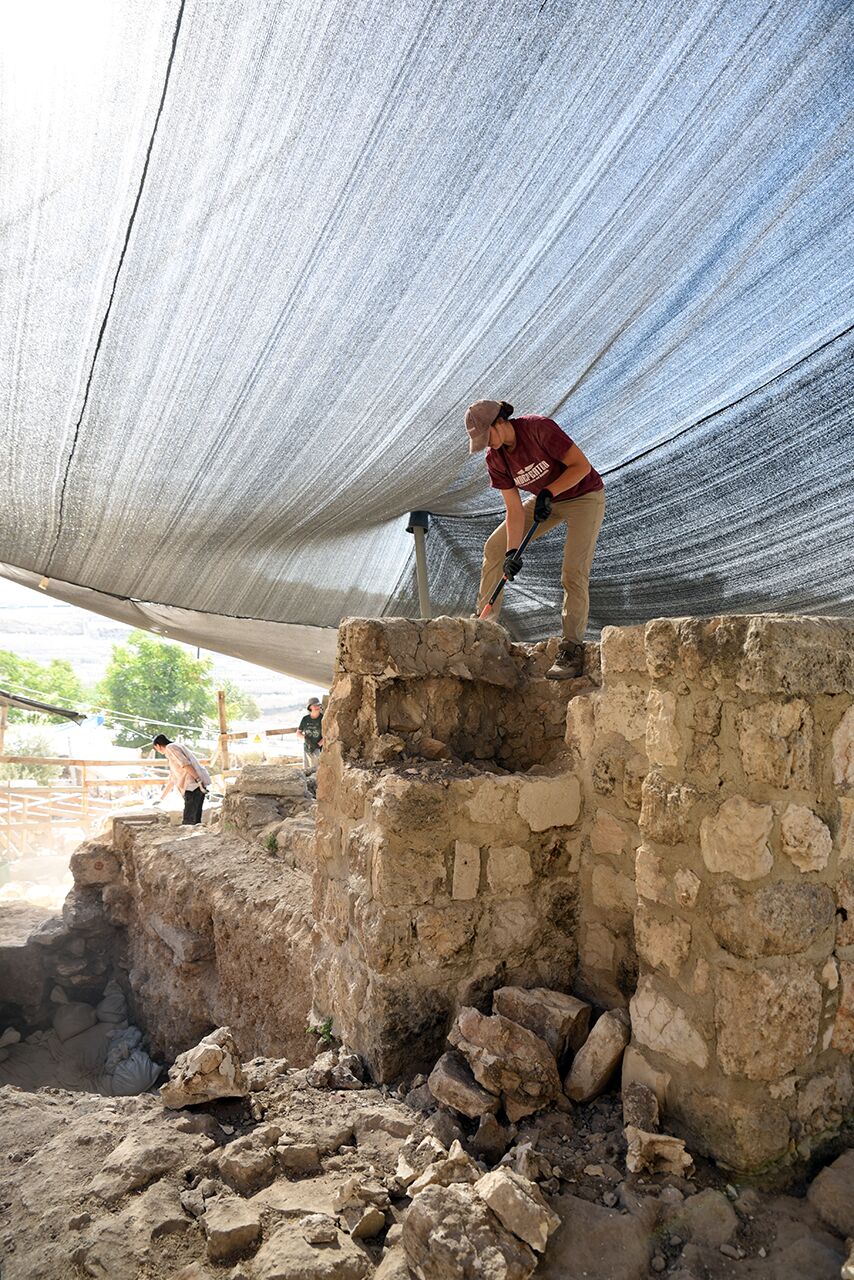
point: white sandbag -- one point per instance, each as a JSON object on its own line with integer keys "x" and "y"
{"x": 122, "y": 1045}
{"x": 136, "y": 1074}
{"x": 70, "y": 1019}
{"x": 112, "y": 1007}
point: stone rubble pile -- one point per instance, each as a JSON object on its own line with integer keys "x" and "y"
{"x": 288, "y": 1180}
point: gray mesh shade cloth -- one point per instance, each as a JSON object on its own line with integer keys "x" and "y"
{"x": 258, "y": 258}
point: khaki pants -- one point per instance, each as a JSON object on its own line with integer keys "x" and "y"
{"x": 583, "y": 518}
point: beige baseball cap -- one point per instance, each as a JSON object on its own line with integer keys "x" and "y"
{"x": 479, "y": 418}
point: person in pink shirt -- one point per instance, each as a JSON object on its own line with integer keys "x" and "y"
{"x": 534, "y": 454}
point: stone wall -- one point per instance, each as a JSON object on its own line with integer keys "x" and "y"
{"x": 744, "y": 878}
{"x": 447, "y": 854}
{"x": 690, "y": 853}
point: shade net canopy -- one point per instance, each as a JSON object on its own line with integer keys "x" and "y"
{"x": 258, "y": 258}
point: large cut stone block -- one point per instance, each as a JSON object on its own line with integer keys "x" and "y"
{"x": 663, "y": 942}
{"x": 663, "y": 739}
{"x": 740, "y": 1134}
{"x": 766, "y": 1019}
{"x": 775, "y": 739}
{"x": 509, "y": 869}
{"x": 805, "y": 838}
{"x": 668, "y": 810}
{"x": 451, "y": 1082}
{"x": 507, "y": 1059}
{"x": 843, "y": 750}
{"x": 736, "y": 839}
{"x": 282, "y": 780}
{"x": 782, "y": 919}
{"x": 550, "y": 802}
{"x": 660, "y": 1025}
{"x": 599, "y": 1056}
{"x": 621, "y": 709}
{"x": 561, "y": 1020}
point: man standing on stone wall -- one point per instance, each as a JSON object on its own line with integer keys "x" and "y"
{"x": 534, "y": 454}
{"x": 186, "y": 775}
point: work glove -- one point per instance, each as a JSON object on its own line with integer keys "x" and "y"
{"x": 512, "y": 564}
{"x": 543, "y": 505}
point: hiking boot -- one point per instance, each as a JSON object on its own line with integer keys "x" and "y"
{"x": 569, "y": 663}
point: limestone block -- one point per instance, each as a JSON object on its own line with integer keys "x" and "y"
{"x": 832, "y": 1194}
{"x": 661, "y": 646}
{"x": 231, "y": 1227}
{"x": 288, "y": 1254}
{"x": 451, "y": 1232}
{"x": 597, "y": 950}
{"x": 83, "y": 911}
{"x": 623, "y": 650}
{"x": 775, "y": 740}
{"x": 735, "y": 840}
{"x": 663, "y": 739}
{"x": 846, "y": 829}
{"x": 660, "y": 1025}
{"x": 784, "y": 654}
{"x": 662, "y": 942}
{"x": 599, "y": 1056}
{"x": 444, "y": 932}
{"x": 766, "y": 1020}
{"x": 282, "y": 780}
{"x": 843, "y": 750}
{"x": 405, "y": 876}
{"x": 686, "y": 887}
{"x": 519, "y": 1206}
{"x": 738, "y": 1134}
{"x": 245, "y": 1165}
{"x": 806, "y": 839}
{"x": 580, "y": 725}
{"x": 210, "y": 1070}
{"x": 561, "y": 1020}
{"x": 94, "y": 863}
{"x": 634, "y": 772}
{"x": 613, "y": 836}
{"x": 824, "y": 1102}
{"x": 707, "y": 715}
{"x": 549, "y": 802}
{"x": 621, "y": 708}
{"x": 408, "y": 806}
{"x": 706, "y": 1218}
{"x": 667, "y": 810}
{"x": 510, "y": 927}
{"x": 187, "y": 945}
{"x": 417, "y": 1155}
{"x": 466, "y": 870}
{"x": 612, "y": 892}
{"x": 650, "y": 880}
{"x": 782, "y": 918}
{"x": 509, "y": 868}
{"x": 636, "y": 1070}
{"x": 455, "y": 1165}
{"x": 452, "y": 1083}
{"x": 843, "y": 1024}
{"x": 507, "y": 1059}
{"x": 655, "y": 1153}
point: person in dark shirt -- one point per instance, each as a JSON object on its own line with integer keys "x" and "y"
{"x": 534, "y": 454}
{"x": 311, "y": 731}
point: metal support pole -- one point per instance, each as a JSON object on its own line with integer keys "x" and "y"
{"x": 4, "y": 711}
{"x": 419, "y": 523}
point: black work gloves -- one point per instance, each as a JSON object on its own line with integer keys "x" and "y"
{"x": 543, "y": 505}
{"x": 512, "y": 564}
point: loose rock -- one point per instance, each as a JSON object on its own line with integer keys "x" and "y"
{"x": 210, "y": 1070}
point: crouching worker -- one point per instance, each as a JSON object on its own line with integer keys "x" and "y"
{"x": 186, "y": 775}
{"x": 534, "y": 454}
{"x": 311, "y": 731}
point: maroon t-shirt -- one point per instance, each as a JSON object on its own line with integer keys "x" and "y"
{"x": 536, "y": 460}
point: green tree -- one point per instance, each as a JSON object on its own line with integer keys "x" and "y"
{"x": 53, "y": 682}
{"x": 161, "y": 683}
{"x": 29, "y": 745}
{"x": 239, "y": 705}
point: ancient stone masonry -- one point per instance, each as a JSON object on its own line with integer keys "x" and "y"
{"x": 690, "y": 855}
{"x": 743, "y": 1017}
{"x": 437, "y": 883}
